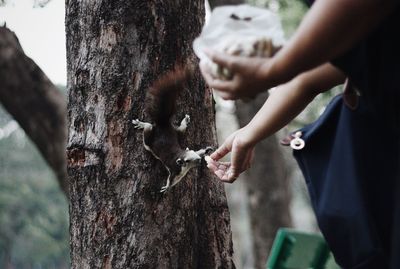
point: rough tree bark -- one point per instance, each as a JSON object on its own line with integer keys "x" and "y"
{"x": 267, "y": 180}
{"x": 35, "y": 103}
{"x": 118, "y": 218}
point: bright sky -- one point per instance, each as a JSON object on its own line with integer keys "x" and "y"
{"x": 41, "y": 33}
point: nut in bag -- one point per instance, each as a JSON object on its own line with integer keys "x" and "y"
{"x": 240, "y": 30}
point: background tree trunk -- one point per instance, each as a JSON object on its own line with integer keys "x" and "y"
{"x": 35, "y": 103}
{"x": 268, "y": 186}
{"x": 267, "y": 181}
{"x": 118, "y": 218}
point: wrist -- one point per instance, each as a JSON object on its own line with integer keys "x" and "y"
{"x": 277, "y": 70}
{"x": 249, "y": 137}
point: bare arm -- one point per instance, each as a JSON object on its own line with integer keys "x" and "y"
{"x": 284, "y": 103}
{"x": 288, "y": 100}
{"x": 330, "y": 28}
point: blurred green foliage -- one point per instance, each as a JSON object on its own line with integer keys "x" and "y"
{"x": 33, "y": 210}
{"x": 291, "y": 12}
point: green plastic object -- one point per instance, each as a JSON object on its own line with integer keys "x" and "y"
{"x": 298, "y": 250}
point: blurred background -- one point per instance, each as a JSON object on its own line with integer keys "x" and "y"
{"x": 33, "y": 209}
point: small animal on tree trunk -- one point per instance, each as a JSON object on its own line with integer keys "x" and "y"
{"x": 160, "y": 137}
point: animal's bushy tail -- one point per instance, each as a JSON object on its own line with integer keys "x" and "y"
{"x": 161, "y": 97}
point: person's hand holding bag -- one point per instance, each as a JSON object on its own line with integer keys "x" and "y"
{"x": 249, "y": 75}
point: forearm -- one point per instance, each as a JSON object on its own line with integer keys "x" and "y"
{"x": 288, "y": 100}
{"x": 329, "y": 29}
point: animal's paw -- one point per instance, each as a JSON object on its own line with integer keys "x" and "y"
{"x": 146, "y": 126}
{"x": 164, "y": 188}
{"x": 184, "y": 124}
{"x": 187, "y": 119}
{"x": 137, "y": 123}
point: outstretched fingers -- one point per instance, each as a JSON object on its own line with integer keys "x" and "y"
{"x": 221, "y": 151}
{"x": 229, "y": 171}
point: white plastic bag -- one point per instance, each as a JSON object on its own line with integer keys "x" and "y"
{"x": 239, "y": 30}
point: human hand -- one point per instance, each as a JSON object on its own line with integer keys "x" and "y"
{"x": 250, "y": 75}
{"x": 242, "y": 152}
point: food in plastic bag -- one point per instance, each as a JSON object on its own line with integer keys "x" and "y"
{"x": 239, "y": 30}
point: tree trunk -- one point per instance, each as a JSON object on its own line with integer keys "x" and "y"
{"x": 267, "y": 180}
{"x": 118, "y": 217}
{"x": 268, "y": 186}
{"x": 35, "y": 103}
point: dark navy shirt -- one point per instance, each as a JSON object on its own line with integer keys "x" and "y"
{"x": 373, "y": 66}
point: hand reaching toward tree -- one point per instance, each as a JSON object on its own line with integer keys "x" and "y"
{"x": 242, "y": 152}
{"x": 283, "y": 104}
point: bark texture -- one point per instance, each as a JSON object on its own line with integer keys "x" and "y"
{"x": 268, "y": 186}
{"x": 35, "y": 103}
{"x": 118, "y": 218}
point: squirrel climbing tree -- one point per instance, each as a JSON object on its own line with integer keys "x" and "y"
{"x": 119, "y": 219}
